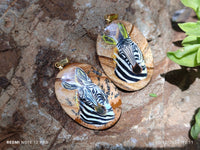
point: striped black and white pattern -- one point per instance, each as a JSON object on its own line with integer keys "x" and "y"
{"x": 88, "y": 114}
{"x": 94, "y": 107}
{"x": 128, "y": 55}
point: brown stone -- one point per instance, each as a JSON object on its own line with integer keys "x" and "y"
{"x": 4, "y": 82}
{"x": 44, "y": 34}
{"x": 8, "y": 60}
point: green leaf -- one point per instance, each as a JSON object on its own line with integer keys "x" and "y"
{"x": 189, "y": 55}
{"x": 198, "y": 56}
{"x": 191, "y": 28}
{"x": 188, "y": 61}
{"x": 190, "y": 40}
{"x": 195, "y": 130}
{"x": 194, "y": 4}
{"x": 185, "y": 56}
{"x": 187, "y": 50}
{"x": 198, "y": 12}
{"x": 153, "y": 95}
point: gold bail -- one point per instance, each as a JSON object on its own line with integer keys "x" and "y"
{"x": 110, "y": 17}
{"x": 61, "y": 63}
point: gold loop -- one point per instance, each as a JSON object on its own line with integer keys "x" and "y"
{"x": 61, "y": 63}
{"x": 110, "y": 17}
{"x": 57, "y": 64}
{"x": 64, "y": 61}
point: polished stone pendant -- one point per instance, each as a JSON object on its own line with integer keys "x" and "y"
{"x": 125, "y": 55}
{"x": 87, "y": 96}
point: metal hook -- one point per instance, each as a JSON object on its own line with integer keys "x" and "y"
{"x": 61, "y": 63}
{"x": 110, "y": 17}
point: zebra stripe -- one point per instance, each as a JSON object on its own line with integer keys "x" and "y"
{"x": 129, "y": 54}
{"x": 90, "y": 116}
{"x": 124, "y": 72}
{"x": 88, "y": 113}
{"x": 94, "y": 107}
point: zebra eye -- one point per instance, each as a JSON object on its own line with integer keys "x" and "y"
{"x": 100, "y": 109}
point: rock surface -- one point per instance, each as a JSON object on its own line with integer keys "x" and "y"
{"x": 35, "y": 34}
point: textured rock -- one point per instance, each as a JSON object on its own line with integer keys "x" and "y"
{"x": 35, "y": 34}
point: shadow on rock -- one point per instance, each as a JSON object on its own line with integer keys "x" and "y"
{"x": 175, "y": 26}
{"x": 180, "y": 16}
{"x": 178, "y": 43}
{"x": 183, "y": 77}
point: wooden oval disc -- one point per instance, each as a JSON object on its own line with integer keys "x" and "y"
{"x": 105, "y": 53}
{"x": 70, "y": 98}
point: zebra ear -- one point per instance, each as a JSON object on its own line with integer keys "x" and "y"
{"x": 81, "y": 76}
{"x": 69, "y": 86}
{"x": 109, "y": 40}
{"x": 122, "y": 30}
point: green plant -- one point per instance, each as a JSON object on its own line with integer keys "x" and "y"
{"x": 189, "y": 54}
{"x": 195, "y": 130}
{"x": 153, "y": 95}
{"x": 194, "y": 4}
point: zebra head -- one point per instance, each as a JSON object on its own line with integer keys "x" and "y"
{"x": 94, "y": 107}
{"x": 132, "y": 54}
{"x": 93, "y": 96}
{"x": 130, "y": 64}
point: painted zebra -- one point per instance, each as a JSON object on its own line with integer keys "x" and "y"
{"x": 130, "y": 65}
{"x": 93, "y": 104}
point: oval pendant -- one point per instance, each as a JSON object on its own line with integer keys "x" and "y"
{"x": 88, "y": 96}
{"x": 125, "y": 55}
